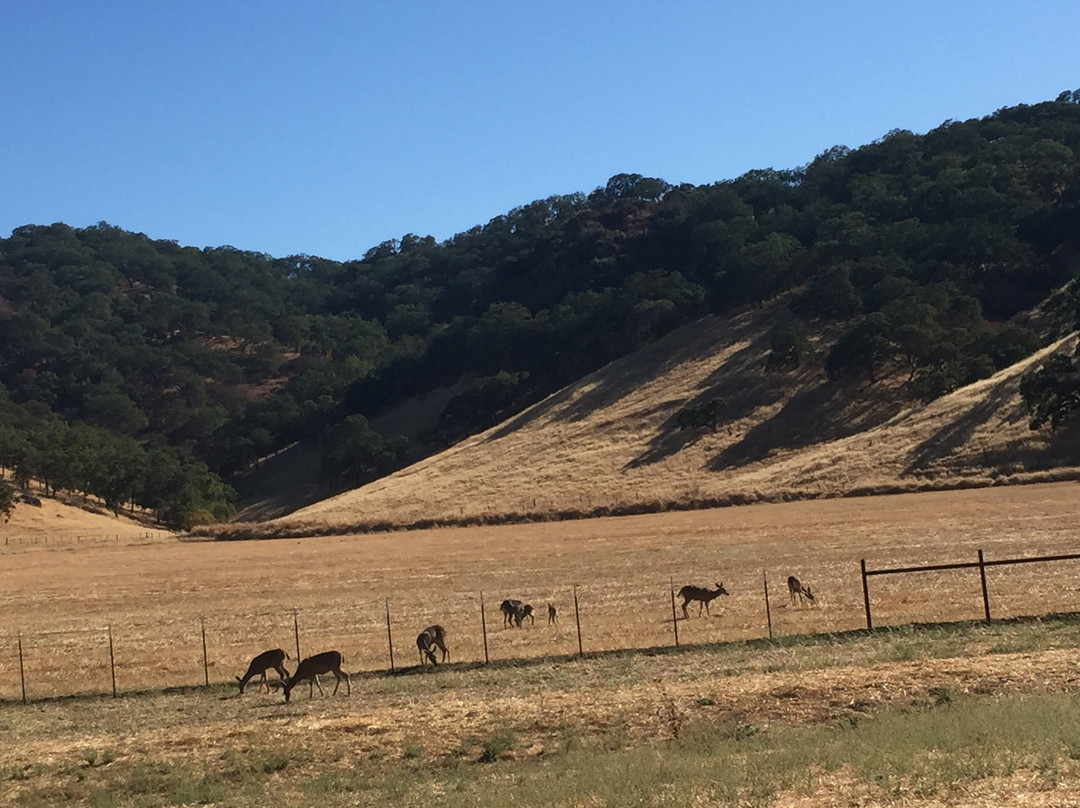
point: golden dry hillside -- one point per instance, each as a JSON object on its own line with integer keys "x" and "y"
{"x": 608, "y": 443}
{"x": 71, "y": 520}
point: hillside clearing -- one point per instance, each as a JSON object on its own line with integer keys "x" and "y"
{"x": 608, "y": 443}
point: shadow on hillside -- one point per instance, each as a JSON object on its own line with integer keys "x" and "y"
{"x": 956, "y": 434}
{"x": 741, "y": 385}
{"x": 620, "y": 378}
{"x": 820, "y": 414}
{"x": 1062, "y": 448}
{"x": 281, "y": 484}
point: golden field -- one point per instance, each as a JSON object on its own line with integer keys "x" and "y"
{"x": 154, "y": 594}
{"x": 402, "y": 737}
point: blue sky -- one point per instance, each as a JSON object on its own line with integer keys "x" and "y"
{"x": 328, "y": 127}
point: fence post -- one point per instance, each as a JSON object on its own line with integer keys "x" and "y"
{"x": 205, "y": 661}
{"x": 296, "y": 634}
{"x": 22, "y": 672}
{"x": 577, "y": 619}
{"x": 866, "y": 597}
{"x": 389, "y": 636}
{"x": 674, "y": 616}
{"x": 112, "y": 662}
{"x": 768, "y": 611}
{"x": 986, "y": 596}
{"x": 483, "y": 626}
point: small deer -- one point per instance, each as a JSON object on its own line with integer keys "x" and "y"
{"x": 432, "y": 637}
{"x": 702, "y": 594}
{"x": 261, "y": 664}
{"x": 797, "y": 588}
{"x": 514, "y": 612}
{"x": 553, "y": 615}
{"x": 310, "y": 668}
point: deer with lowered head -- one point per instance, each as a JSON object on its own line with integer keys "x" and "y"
{"x": 312, "y": 667}
{"x": 427, "y": 640}
{"x": 514, "y": 612}
{"x": 702, "y": 594}
{"x": 797, "y": 588}
{"x": 261, "y": 664}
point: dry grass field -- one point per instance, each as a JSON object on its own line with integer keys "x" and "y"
{"x": 153, "y": 595}
{"x": 207, "y": 745}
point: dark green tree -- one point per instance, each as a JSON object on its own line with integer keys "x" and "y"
{"x": 1052, "y": 391}
{"x": 7, "y": 499}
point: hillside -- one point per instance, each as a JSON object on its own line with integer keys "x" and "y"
{"x": 71, "y": 520}
{"x": 166, "y": 378}
{"x": 608, "y": 444}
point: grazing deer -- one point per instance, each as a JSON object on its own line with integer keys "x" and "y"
{"x": 432, "y": 636}
{"x": 509, "y": 609}
{"x": 553, "y": 617}
{"x": 310, "y": 668}
{"x": 798, "y": 588}
{"x": 514, "y": 612}
{"x": 261, "y": 664}
{"x": 702, "y": 594}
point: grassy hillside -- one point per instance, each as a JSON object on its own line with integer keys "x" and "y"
{"x": 609, "y": 444}
{"x": 152, "y": 375}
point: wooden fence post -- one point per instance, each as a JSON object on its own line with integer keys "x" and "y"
{"x": 296, "y": 634}
{"x": 768, "y": 611}
{"x": 577, "y": 619}
{"x": 205, "y": 661}
{"x": 985, "y": 594}
{"x": 483, "y": 626}
{"x": 674, "y": 615}
{"x": 389, "y": 635}
{"x": 112, "y": 662}
{"x": 866, "y": 596}
{"x": 22, "y": 672}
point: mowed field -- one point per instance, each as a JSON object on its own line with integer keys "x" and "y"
{"x": 155, "y": 597}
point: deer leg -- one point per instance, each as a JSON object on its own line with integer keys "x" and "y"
{"x": 318, "y": 684}
{"x": 262, "y": 683}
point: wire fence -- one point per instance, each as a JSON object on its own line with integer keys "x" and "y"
{"x": 184, "y": 651}
{"x": 15, "y": 542}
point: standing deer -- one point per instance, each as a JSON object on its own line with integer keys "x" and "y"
{"x": 432, "y": 636}
{"x": 267, "y": 659}
{"x": 702, "y": 594}
{"x": 553, "y": 617}
{"x": 310, "y": 668}
{"x": 798, "y": 588}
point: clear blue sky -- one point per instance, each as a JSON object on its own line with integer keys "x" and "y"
{"x": 328, "y": 127}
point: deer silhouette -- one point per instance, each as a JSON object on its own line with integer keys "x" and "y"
{"x": 702, "y": 594}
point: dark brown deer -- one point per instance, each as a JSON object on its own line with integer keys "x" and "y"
{"x": 430, "y": 638}
{"x": 261, "y": 664}
{"x": 553, "y": 615}
{"x": 310, "y": 668}
{"x": 702, "y": 594}
{"x": 797, "y": 588}
{"x": 514, "y": 612}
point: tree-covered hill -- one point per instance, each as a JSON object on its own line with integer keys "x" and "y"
{"x": 155, "y": 375}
